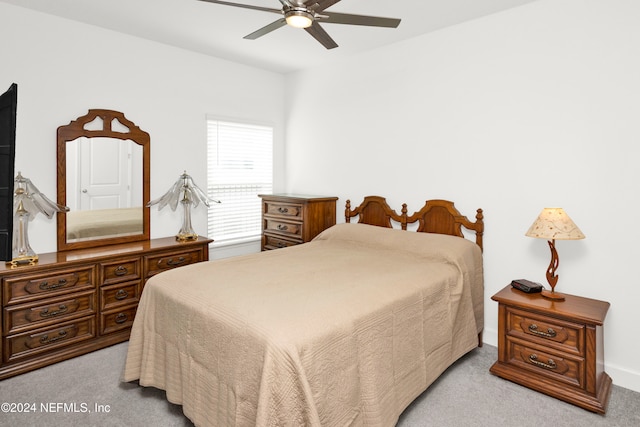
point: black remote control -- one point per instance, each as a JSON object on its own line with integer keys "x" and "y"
{"x": 526, "y": 286}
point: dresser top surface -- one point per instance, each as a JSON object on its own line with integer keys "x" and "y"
{"x": 76, "y": 255}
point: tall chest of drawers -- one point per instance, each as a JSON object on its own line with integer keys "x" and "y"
{"x": 74, "y": 302}
{"x": 554, "y": 347}
{"x": 290, "y": 219}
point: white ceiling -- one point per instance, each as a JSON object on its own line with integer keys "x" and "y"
{"x": 218, "y": 30}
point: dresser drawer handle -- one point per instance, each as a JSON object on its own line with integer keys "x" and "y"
{"x": 121, "y": 318}
{"x": 46, "y": 340}
{"x": 121, "y": 294}
{"x": 281, "y": 245}
{"x": 549, "y": 365}
{"x": 61, "y": 309}
{"x": 45, "y": 286}
{"x": 120, "y": 270}
{"x": 174, "y": 262}
{"x": 283, "y": 210}
{"x": 282, "y": 227}
{"x": 533, "y": 328}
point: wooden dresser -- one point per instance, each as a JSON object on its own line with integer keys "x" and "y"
{"x": 74, "y": 302}
{"x": 555, "y": 347}
{"x": 291, "y": 219}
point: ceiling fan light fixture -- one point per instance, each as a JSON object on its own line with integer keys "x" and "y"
{"x": 299, "y": 18}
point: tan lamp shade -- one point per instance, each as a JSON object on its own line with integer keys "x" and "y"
{"x": 554, "y": 224}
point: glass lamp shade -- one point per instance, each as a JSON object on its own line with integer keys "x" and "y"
{"x": 299, "y": 19}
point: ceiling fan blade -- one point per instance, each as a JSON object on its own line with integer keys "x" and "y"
{"x": 321, "y": 35}
{"x": 245, "y": 6}
{"x": 266, "y": 29}
{"x": 370, "y": 21}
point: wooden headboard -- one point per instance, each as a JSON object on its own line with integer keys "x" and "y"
{"x": 436, "y": 216}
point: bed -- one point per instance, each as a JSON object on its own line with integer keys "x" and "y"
{"x": 89, "y": 224}
{"x": 345, "y": 330}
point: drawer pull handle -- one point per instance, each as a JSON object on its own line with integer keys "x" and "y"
{"x": 282, "y": 227}
{"x": 121, "y": 270}
{"x": 174, "y": 262}
{"x": 121, "y": 294}
{"x": 533, "y": 328}
{"x": 281, "y": 245}
{"x": 46, "y": 340}
{"x": 45, "y": 286}
{"x": 283, "y": 210}
{"x": 61, "y": 309}
{"x": 549, "y": 365}
{"x": 121, "y": 318}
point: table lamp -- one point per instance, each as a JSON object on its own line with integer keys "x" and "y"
{"x": 554, "y": 224}
{"x": 28, "y": 201}
{"x": 188, "y": 193}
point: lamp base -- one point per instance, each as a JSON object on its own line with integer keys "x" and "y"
{"x": 555, "y": 296}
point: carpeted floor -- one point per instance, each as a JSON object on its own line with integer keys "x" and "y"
{"x": 87, "y": 391}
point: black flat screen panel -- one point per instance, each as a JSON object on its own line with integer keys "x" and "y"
{"x": 8, "y": 104}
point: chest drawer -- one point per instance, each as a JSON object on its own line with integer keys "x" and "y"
{"x": 121, "y": 271}
{"x": 46, "y": 339}
{"x": 30, "y": 287}
{"x": 546, "y": 331}
{"x": 284, "y": 210}
{"x": 41, "y": 313}
{"x": 275, "y": 242}
{"x": 155, "y": 264}
{"x": 285, "y": 228}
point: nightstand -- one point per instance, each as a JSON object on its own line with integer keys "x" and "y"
{"x": 554, "y": 347}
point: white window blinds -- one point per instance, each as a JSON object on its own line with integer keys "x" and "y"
{"x": 240, "y": 166}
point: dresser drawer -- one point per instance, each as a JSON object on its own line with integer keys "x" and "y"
{"x": 542, "y": 361}
{"x": 284, "y": 210}
{"x": 30, "y": 287}
{"x": 37, "y": 314}
{"x": 121, "y": 271}
{"x": 275, "y": 242}
{"x": 117, "y": 320}
{"x": 546, "y": 331}
{"x": 285, "y": 228}
{"x": 119, "y": 294}
{"x": 46, "y": 339}
{"x": 155, "y": 264}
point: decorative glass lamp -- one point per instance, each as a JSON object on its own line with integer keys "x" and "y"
{"x": 187, "y": 193}
{"x": 552, "y": 224}
{"x": 28, "y": 201}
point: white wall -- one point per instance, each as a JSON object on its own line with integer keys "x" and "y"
{"x": 63, "y": 68}
{"x": 530, "y": 108}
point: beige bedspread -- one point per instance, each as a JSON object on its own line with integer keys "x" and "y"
{"x": 345, "y": 330}
{"x": 104, "y": 222}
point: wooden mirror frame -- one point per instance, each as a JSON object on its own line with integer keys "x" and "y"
{"x": 76, "y": 129}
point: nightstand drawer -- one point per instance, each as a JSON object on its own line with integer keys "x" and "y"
{"x": 547, "y": 331}
{"x": 557, "y": 366}
{"x": 284, "y": 210}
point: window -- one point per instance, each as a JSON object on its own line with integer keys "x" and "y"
{"x": 240, "y": 166}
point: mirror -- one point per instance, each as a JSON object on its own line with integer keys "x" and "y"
{"x": 103, "y": 177}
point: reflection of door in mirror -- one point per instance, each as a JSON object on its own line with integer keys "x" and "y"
{"x": 103, "y": 173}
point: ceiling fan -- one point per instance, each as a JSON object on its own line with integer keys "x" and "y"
{"x": 308, "y": 14}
